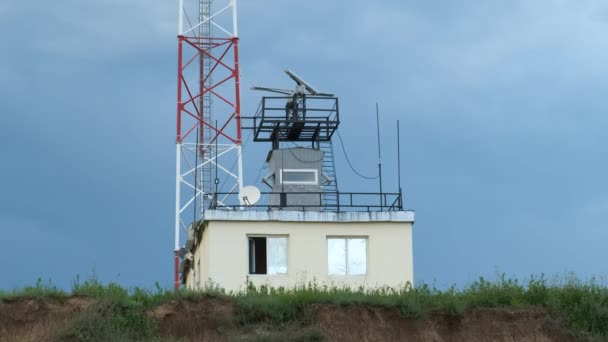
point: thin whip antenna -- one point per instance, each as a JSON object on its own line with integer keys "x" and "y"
{"x": 196, "y": 181}
{"x": 379, "y": 154}
{"x": 399, "y": 163}
{"x": 398, "y": 156}
{"x": 217, "y": 180}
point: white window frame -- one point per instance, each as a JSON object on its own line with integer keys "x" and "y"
{"x": 315, "y": 171}
{"x": 267, "y": 236}
{"x": 346, "y": 238}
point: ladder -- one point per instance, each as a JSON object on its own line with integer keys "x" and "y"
{"x": 207, "y": 176}
{"x": 330, "y": 190}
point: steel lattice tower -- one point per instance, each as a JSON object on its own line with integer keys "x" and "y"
{"x": 208, "y": 135}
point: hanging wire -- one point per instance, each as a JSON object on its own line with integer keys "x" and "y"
{"x": 348, "y": 160}
{"x": 235, "y": 161}
{"x": 196, "y": 178}
{"x": 301, "y": 160}
{"x": 190, "y": 23}
{"x": 263, "y": 167}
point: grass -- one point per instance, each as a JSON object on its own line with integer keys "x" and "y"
{"x": 110, "y": 321}
{"x": 40, "y": 290}
{"x": 120, "y": 314}
{"x": 584, "y": 305}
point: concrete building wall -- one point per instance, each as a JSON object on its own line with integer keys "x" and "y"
{"x": 200, "y": 271}
{"x": 224, "y": 253}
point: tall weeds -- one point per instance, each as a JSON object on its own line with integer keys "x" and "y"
{"x": 121, "y": 312}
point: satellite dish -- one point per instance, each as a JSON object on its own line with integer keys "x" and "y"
{"x": 249, "y": 195}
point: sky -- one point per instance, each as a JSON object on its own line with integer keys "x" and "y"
{"x": 501, "y": 106}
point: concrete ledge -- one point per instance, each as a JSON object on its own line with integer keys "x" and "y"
{"x": 309, "y": 216}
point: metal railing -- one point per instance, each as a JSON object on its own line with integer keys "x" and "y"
{"x": 306, "y": 118}
{"x": 345, "y": 201}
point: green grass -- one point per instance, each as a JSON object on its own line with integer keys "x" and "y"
{"x": 120, "y": 313}
{"x": 40, "y": 290}
{"x": 584, "y": 305}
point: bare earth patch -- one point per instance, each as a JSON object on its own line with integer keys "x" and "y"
{"x": 36, "y": 319}
{"x": 214, "y": 319}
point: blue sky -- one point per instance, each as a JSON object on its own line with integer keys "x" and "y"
{"x": 501, "y": 103}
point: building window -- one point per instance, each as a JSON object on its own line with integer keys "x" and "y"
{"x": 347, "y": 256}
{"x": 299, "y": 176}
{"x": 267, "y": 255}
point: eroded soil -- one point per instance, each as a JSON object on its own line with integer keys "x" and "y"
{"x": 214, "y": 319}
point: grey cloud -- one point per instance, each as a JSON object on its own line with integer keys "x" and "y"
{"x": 106, "y": 29}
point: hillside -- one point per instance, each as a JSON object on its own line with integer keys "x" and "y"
{"x": 503, "y": 310}
{"x": 214, "y": 319}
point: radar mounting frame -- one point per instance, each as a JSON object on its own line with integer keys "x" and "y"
{"x": 300, "y": 115}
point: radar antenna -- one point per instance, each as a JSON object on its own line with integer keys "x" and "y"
{"x": 302, "y": 87}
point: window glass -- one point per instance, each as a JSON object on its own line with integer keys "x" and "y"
{"x": 347, "y": 256}
{"x": 299, "y": 176}
{"x": 277, "y": 255}
{"x": 356, "y": 256}
{"x": 336, "y": 256}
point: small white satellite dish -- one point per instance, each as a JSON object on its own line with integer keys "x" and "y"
{"x": 249, "y": 195}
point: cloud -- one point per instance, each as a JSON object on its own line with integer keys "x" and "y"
{"x": 525, "y": 68}
{"x": 494, "y": 41}
{"x": 95, "y": 30}
{"x": 5, "y": 8}
{"x": 596, "y": 208}
{"x": 11, "y": 82}
{"x": 489, "y": 41}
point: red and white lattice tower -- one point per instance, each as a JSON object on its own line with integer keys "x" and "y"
{"x": 208, "y": 142}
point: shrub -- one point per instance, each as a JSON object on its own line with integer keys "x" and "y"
{"x": 120, "y": 313}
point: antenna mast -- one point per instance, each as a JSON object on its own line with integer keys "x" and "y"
{"x": 379, "y": 155}
{"x": 207, "y": 52}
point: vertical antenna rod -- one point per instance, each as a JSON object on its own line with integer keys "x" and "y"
{"x": 216, "y": 181}
{"x": 399, "y": 161}
{"x": 398, "y": 156}
{"x": 379, "y": 155}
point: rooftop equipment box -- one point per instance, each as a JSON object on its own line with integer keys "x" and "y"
{"x": 295, "y": 177}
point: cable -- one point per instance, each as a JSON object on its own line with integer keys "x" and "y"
{"x": 190, "y": 23}
{"x": 348, "y": 161}
{"x": 300, "y": 160}
{"x": 264, "y": 166}
{"x": 235, "y": 161}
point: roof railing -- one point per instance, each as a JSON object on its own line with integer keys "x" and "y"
{"x": 312, "y": 201}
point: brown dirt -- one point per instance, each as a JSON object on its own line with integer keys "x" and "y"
{"x": 35, "y": 319}
{"x": 360, "y": 323}
{"x": 213, "y": 319}
{"x": 210, "y": 319}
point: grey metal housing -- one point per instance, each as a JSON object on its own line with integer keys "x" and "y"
{"x": 295, "y": 177}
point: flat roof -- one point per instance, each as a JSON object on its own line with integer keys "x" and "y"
{"x": 309, "y": 216}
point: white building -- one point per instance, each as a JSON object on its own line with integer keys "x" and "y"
{"x": 307, "y": 231}
{"x": 286, "y": 248}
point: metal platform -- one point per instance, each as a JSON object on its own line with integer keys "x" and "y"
{"x": 303, "y": 118}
